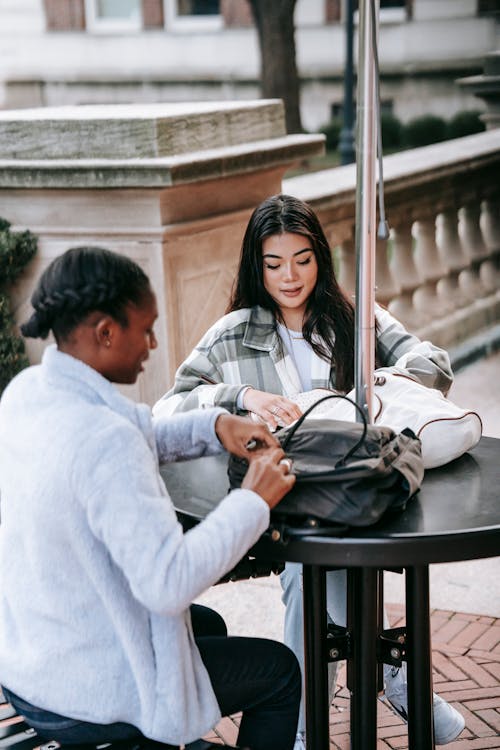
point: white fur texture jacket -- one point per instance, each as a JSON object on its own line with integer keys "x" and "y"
{"x": 96, "y": 574}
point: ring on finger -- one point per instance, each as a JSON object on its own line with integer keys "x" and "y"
{"x": 286, "y": 462}
{"x": 276, "y": 410}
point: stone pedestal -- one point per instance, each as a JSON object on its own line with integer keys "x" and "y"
{"x": 171, "y": 185}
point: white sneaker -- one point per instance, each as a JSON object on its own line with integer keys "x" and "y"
{"x": 448, "y": 723}
{"x": 300, "y": 741}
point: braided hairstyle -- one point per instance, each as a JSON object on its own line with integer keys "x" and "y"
{"x": 80, "y": 281}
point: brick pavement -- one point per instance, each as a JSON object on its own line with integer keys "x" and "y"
{"x": 466, "y": 662}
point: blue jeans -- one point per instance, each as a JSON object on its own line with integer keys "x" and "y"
{"x": 336, "y": 606}
{"x": 259, "y": 677}
{"x": 336, "y": 597}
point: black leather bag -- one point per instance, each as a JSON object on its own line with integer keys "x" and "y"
{"x": 348, "y": 473}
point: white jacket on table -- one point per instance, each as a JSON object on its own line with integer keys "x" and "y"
{"x": 96, "y": 574}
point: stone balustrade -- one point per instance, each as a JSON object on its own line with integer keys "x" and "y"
{"x": 439, "y": 273}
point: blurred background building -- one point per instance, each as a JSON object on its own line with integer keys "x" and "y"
{"x": 56, "y": 52}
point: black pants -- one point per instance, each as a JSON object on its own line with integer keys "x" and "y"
{"x": 257, "y": 676}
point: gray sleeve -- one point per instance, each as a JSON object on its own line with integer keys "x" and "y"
{"x": 185, "y": 436}
{"x": 198, "y": 385}
{"x": 398, "y": 348}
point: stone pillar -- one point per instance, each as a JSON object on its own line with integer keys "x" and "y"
{"x": 171, "y": 185}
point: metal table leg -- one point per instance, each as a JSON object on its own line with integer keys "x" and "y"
{"x": 380, "y": 626}
{"x": 316, "y": 658}
{"x": 362, "y": 667}
{"x": 419, "y": 658}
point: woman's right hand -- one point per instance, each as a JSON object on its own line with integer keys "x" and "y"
{"x": 273, "y": 409}
{"x": 267, "y": 476}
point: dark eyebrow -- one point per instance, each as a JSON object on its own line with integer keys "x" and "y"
{"x": 280, "y": 257}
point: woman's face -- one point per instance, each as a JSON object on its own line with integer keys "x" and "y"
{"x": 290, "y": 272}
{"x": 130, "y": 345}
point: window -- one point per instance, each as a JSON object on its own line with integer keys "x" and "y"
{"x": 488, "y": 8}
{"x": 113, "y": 15}
{"x": 193, "y": 15}
{"x": 198, "y": 7}
{"x": 391, "y": 11}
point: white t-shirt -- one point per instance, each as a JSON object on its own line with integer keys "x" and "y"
{"x": 300, "y": 352}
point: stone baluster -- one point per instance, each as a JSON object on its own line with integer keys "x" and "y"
{"x": 490, "y": 223}
{"x": 452, "y": 258}
{"x": 474, "y": 248}
{"x": 347, "y": 265}
{"x": 490, "y": 229}
{"x": 426, "y": 298}
{"x": 386, "y": 288}
{"x": 405, "y": 275}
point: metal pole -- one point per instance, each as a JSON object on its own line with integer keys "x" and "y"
{"x": 366, "y": 229}
{"x": 419, "y": 656}
{"x": 346, "y": 140}
{"x": 362, "y": 667}
{"x": 315, "y": 656}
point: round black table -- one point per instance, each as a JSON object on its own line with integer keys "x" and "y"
{"x": 455, "y": 516}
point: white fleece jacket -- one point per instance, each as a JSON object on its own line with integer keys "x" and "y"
{"x": 96, "y": 574}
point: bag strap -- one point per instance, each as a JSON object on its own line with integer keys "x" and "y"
{"x": 352, "y": 450}
{"x": 282, "y": 533}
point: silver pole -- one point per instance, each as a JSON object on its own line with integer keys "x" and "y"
{"x": 366, "y": 229}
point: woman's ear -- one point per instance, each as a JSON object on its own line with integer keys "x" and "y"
{"x": 104, "y": 330}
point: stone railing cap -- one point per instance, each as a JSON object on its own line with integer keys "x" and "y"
{"x": 404, "y": 170}
{"x": 159, "y": 172}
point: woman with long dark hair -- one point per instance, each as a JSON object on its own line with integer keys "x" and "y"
{"x": 289, "y": 328}
{"x": 327, "y": 322}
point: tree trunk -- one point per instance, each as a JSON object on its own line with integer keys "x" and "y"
{"x": 275, "y": 27}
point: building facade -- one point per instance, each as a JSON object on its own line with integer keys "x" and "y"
{"x": 56, "y": 52}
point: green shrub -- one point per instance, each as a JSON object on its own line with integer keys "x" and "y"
{"x": 391, "y": 130}
{"x": 463, "y": 123}
{"x": 421, "y": 131}
{"x": 16, "y": 250}
{"x": 332, "y": 130}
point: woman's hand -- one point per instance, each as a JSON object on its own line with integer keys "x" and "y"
{"x": 236, "y": 433}
{"x": 273, "y": 409}
{"x": 269, "y": 475}
{"x": 269, "y": 471}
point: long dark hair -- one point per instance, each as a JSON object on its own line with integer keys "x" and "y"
{"x": 329, "y": 312}
{"x": 79, "y": 281}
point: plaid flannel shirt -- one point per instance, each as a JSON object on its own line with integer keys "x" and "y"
{"x": 243, "y": 349}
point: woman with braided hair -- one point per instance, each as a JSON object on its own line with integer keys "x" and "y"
{"x": 99, "y": 641}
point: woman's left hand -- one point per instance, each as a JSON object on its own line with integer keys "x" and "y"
{"x": 273, "y": 409}
{"x": 238, "y": 433}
